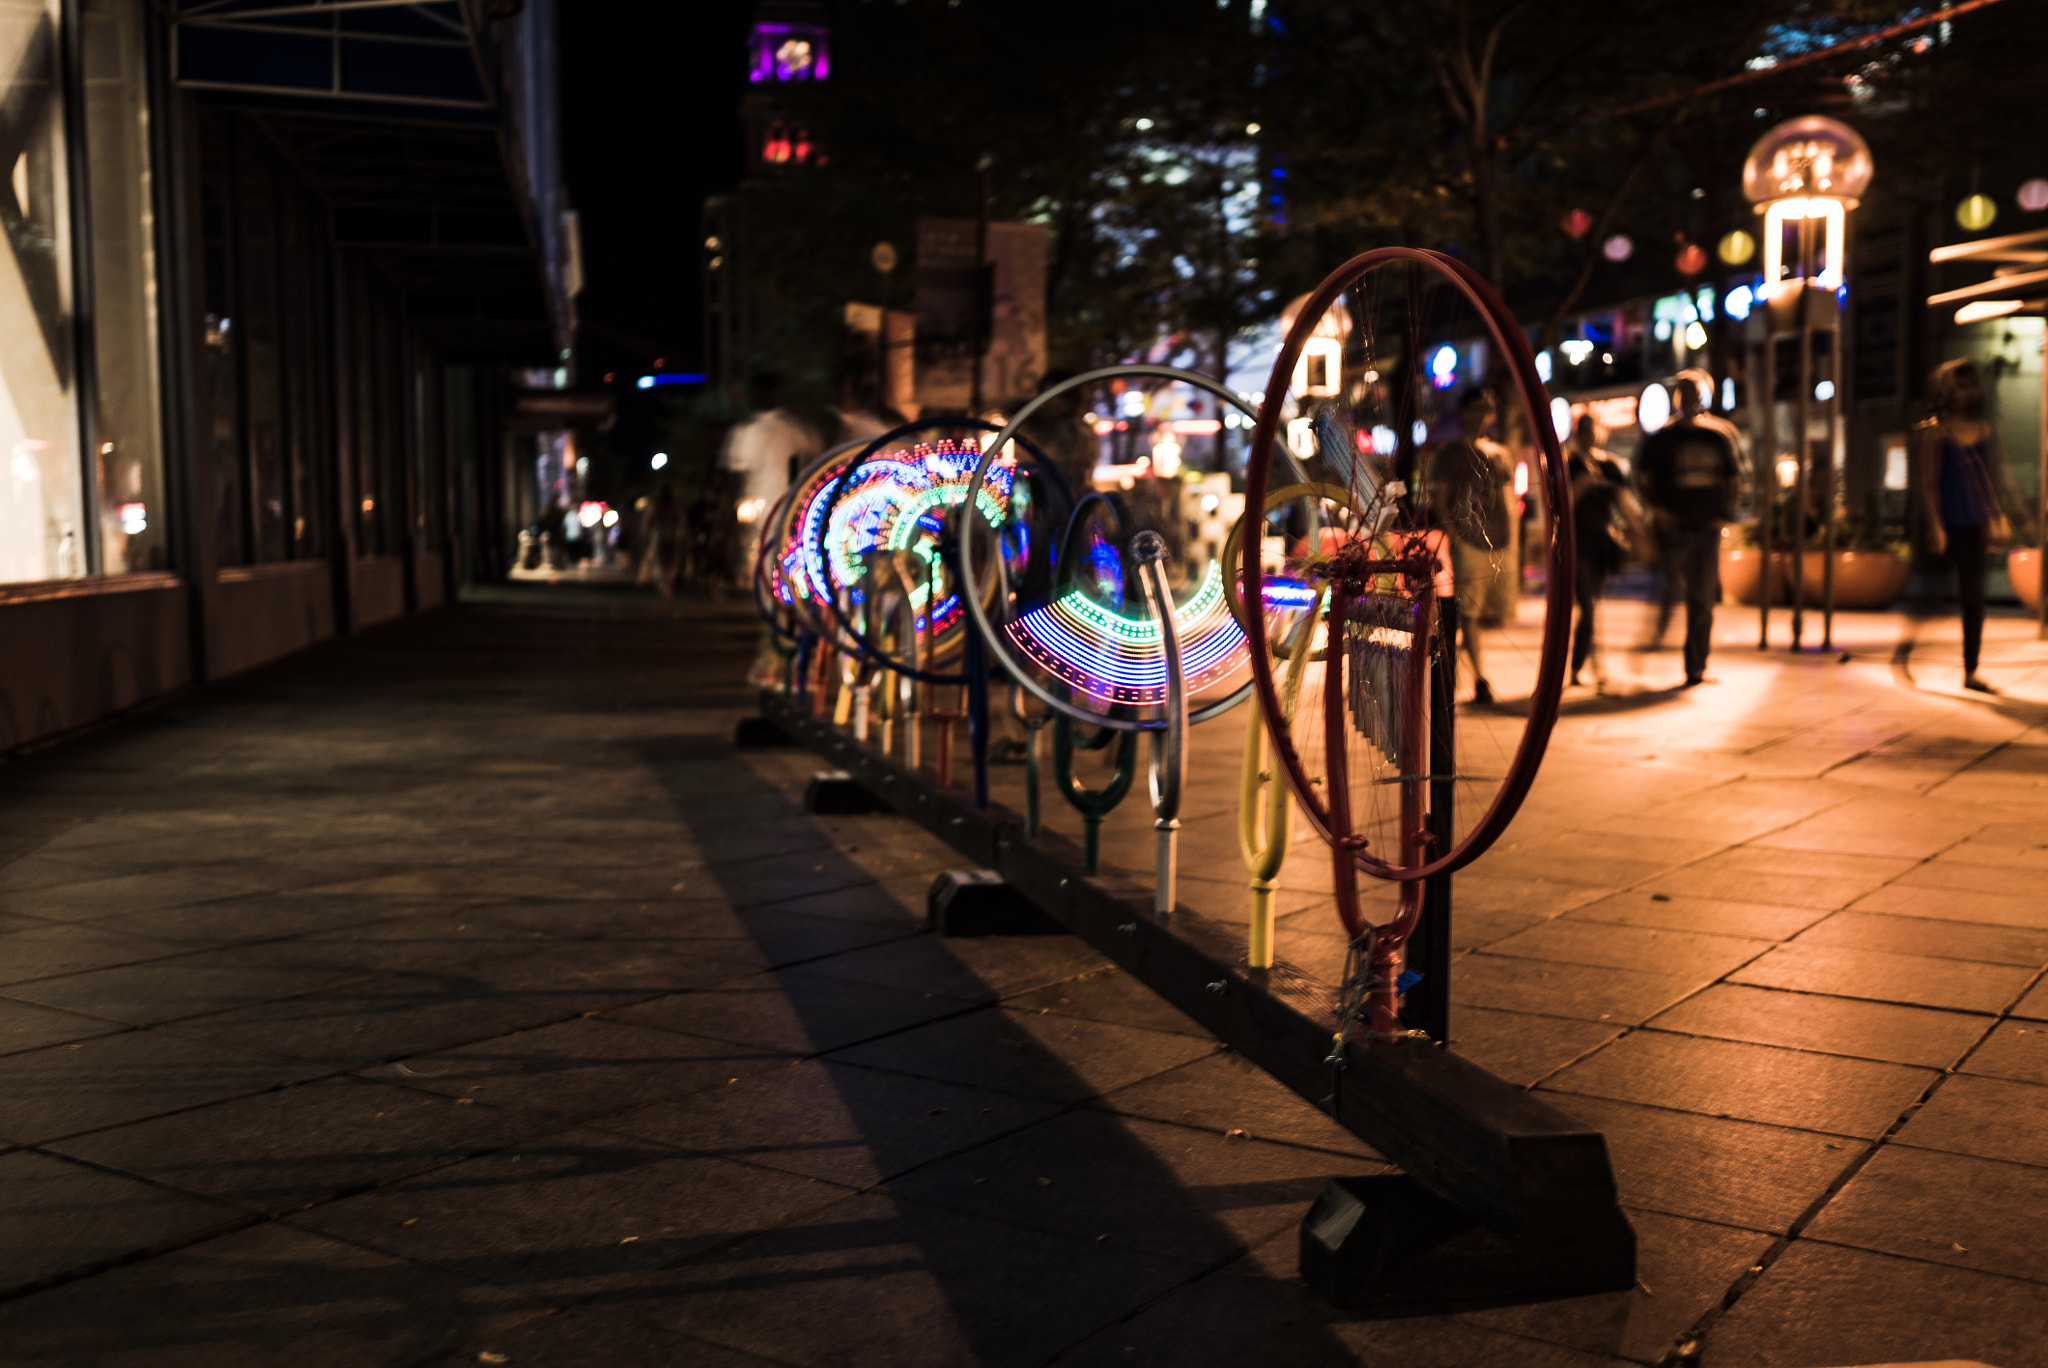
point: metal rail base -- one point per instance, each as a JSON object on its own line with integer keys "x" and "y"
{"x": 1502, "y": 1196}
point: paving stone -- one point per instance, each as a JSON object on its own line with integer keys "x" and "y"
{"x": 581, "y": 1068}
{"x": 596, "y": 1334}
{"x": 569, "y": 1214}
{"x": 1501, "y": 891}
{"x": 1671, "y": 910}
{"x": 1944, "y": 1208}
{"x": 1735, "y": 1173}
{"x": 2034, "y": 1006}
{"x": 887, "y": 904}
{"x": 1822, "y": 1304}
{"x": 123, "y": 893}
{"x": 1953, "y": 870}
{"x": 255, "y": 917}
{"x": 1108, "y": 995}
{"x": 1790, "y": 878}
{"x": 1992, "y": 1118}
{"x": 113, "y": 1079}
{"x": 1221, "y": 1092}
{"x": 777, "y": 878}
{"x": 2016, "y": 1050}
{"x": 891, "y": 1283}
{"x": 64, "y": 1217}
{"x": 1683, "y": 1268}
{"x": 1187, "y": 1194}
{"x": 1622, "y": 996}
{"x": 976, "y": 967}
{"x": 1523, "y": 1048}
{"x": 1739, "y": 811}
{"x": 1881, "y": 976}
{"x": 1933, "y": 938}
{"x": 1612, "y": 946}
{"x": 263, "y": 1296}
{"x": 1476, "y": 930}
{"x": 1863, "y": 827}
{"x": 1750, "y": 1082}
{"x": 281, "y": 1149}
{"x": 30, "y": 951}
{"x": 1225, "y": 1318}
{"x": 791, "y": 1011}
{"x": 838, "y": 1122}
{"x": 1059, "y": 1059}
{"x": 365, "y": 1021}
{"x": 1958, "y": 905}
{"x": 42, "y": 871}
{"x": 25, "y": 1026}
{"x": 1832, "y": 1025}
{"x": 166, "y": 990}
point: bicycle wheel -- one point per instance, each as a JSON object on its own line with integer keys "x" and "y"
{"x": 1068, "y": 619}
{"x": 880, "y": 540}
{"x": 1437, "y": 529}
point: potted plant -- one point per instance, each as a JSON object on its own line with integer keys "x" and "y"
{"x": 1872, "y": 564}
{"x": 1742, "y": 566}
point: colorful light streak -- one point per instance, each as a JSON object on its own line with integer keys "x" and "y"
{"x": 892, "y": 502}
{"x": 1100, "y": 652}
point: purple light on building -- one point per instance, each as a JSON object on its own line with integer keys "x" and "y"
{"x": 788, "y": 52}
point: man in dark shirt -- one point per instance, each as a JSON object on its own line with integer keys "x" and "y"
{"x": 1690, "y": 478}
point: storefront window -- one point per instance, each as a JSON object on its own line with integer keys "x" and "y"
{"x": 41, "y": 503}
{"x": 129, "y": 465}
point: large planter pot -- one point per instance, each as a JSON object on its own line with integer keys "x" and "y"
{"x": 1864, "y": 580}
{"x": 1741, "y": 570}
{"x": 2023, "y": 568}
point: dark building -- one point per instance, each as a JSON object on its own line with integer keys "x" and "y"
{"x": 271, "y": 268}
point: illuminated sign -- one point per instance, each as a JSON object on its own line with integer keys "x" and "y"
{"x": 787, "y": 52}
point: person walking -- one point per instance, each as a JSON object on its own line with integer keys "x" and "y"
{"x": 1472, "y": 495}
{"x": 1691, "y": 479}
{"x": 1605, "y": 526}
{"x": 1963, "y": 487}
{"x": 662, "y": 536}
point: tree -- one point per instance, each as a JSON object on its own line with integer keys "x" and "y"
{"x": 1478, "y": 126}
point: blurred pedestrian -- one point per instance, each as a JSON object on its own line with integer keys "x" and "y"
{"x": 1690, "y": 477}
{"x": 1472, "y": 495}
{"x": 1963, "y": 489}
{"x": 1606, "y": 525}
{"x": 1670, "y": 579}
{"x": 662, "y": 535}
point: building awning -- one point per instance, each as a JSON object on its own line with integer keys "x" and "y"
{"x": 427, "y": 127}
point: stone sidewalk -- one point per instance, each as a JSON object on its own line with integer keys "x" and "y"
{"x": 457, "y": 994}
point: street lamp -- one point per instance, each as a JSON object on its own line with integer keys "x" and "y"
{"x": 1804, "y": 176}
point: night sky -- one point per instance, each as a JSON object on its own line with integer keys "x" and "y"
{"x": 650, "y": 126}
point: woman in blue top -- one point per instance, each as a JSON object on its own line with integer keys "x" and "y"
{"x": 1963, "y": 488}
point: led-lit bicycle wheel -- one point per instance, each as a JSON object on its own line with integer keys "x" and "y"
{"x": 1418, "y": 492}
{"x": 1117, "y": 616}
{"x": 1076, "y": 629}
{"x": 783, "y": 573}
{"x": 878, "y": 540}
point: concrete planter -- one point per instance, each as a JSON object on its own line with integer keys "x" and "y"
{"x": 1741, "y": 570}
{"x": 1864, "y": 580}
{"x": 2023, "y": 568}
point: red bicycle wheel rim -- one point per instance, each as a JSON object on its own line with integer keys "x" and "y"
{"x": 1506, "y": 334}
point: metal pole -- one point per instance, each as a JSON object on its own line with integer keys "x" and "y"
{"x": 1828, "y": 495}
{"x": 1427, "y": 1005}
{"x": 1764, "y": 390}
{"x": 2041, "y": 507}
{"x": 1169, "y": 743}
{"x": 1804, "y": 449}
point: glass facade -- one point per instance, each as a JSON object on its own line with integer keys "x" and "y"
{"x": 79, "y": 421}
{"x": 42, "y": 528}
{"x": 126, "y": 434}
